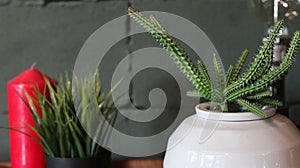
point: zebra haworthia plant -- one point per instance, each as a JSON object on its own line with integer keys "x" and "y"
{"x": 248, "y": 89}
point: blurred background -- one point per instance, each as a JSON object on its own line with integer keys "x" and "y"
{"x": 52, "y": 32}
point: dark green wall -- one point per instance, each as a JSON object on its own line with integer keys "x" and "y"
{"x": 51, "y": 35}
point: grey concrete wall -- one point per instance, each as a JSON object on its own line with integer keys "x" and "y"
{"x": 52, "y": 34}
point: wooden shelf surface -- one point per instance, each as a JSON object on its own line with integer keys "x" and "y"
{"x": 135, "y": 163}
{"x": 138, "y": 163}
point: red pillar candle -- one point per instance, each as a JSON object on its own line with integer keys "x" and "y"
{"x": 24, "y": 152}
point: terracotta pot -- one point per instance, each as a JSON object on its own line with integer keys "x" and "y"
{"x": 238, "y": 140}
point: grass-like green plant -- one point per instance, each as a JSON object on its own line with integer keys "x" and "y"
{"x": 58, "y": 123}
{"x": 249, "y": 89}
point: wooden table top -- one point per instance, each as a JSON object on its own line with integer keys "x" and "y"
{"x": 5, "y": 165}
{"x": 135, "y": 163}
{"x": 138, "y": 163}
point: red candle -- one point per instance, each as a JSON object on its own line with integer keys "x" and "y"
{"x": 24, "y": 151}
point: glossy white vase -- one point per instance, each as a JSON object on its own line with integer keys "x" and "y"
{"x": 239, "y": 140}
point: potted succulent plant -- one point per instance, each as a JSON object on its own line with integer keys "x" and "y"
{"x": 59, "y": 124}
{"x": 249, "y": 136}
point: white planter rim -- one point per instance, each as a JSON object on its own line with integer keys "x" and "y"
{"x": 203, "y": 111}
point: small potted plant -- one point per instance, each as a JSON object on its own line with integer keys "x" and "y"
{"x": 60, "y": 125}
{"x": 248, "y": 136}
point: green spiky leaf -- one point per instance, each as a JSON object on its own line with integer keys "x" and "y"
{"x": 261, "y": 63}
{"x": 176, "y": 52}
{"x": 270, "y": 101}
{"x": 271, "y": 76}
{"x": 256, "y": 110}
{"x": 229, "y": 74}
{"x": 239, "y": 65}
{"x": 260, "y": 94}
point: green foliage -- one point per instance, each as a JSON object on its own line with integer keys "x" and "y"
{"x": 261, "y": 63}
{"x": 220, "y": 83}
{"x": 236, "y": 70}
{"x": 176, "y": 52}
{"x": 248, "y": 89}
{"x": 59, "y": 128}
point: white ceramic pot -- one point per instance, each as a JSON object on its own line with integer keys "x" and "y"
{"x": 239, "y": 140}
